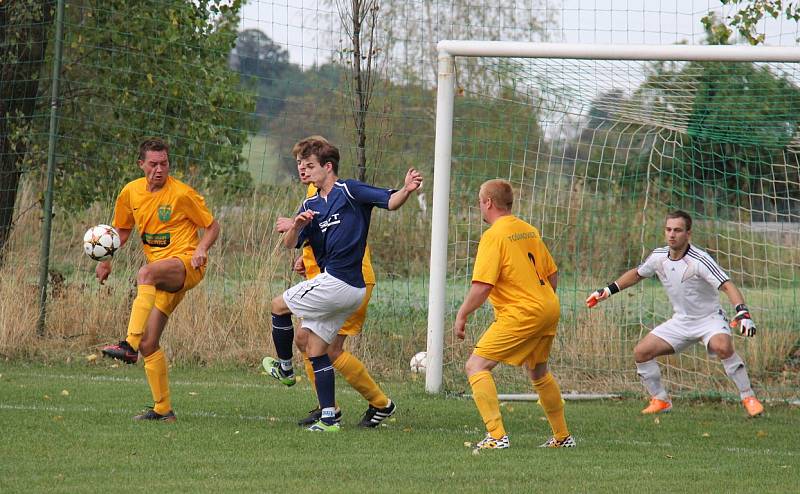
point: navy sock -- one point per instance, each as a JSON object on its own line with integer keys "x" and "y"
{"x": 283, "y": 335}
{"x": 324, "y": 377}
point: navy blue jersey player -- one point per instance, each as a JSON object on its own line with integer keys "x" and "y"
{"x": 335, "y": 222}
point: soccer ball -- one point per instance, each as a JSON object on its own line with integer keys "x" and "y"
{"x": 100, "y": 242}
{"x": 418, "y": 362}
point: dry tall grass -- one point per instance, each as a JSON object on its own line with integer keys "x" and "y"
{"x": 226, "y": 319}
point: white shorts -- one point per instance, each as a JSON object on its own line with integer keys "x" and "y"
{"x": 324, "y": 303}
{"x": 680, "y": 333}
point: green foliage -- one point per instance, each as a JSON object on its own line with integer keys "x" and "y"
{"x": 149, "y": 67}
{"x": 750, "y": 15}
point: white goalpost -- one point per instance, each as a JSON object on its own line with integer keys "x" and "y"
{"x": 633, "y": 131}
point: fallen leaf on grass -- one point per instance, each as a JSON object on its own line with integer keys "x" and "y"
{"x": 64, "y": 392}
{"x": 762, "y": 434}
{"x": 91, "y": 357}
{"x": 706, "y": 434}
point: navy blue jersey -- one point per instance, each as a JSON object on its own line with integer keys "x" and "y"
{"x": 338, "y": 232}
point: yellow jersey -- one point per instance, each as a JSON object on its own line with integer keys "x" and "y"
{"x": 167, "y": 220}
{"x": 513, "y": 259}
{"x": 310, "y": 262}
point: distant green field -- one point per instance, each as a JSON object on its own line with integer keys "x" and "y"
{"x": 67, "y": 428}
{"x": 261, "y": 159}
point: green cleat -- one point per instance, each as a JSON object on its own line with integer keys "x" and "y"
{"x": 273, "y": 368}
{"x": 320, "y": 426}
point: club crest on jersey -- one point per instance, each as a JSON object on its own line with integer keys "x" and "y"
{"x": 164, "y": 212}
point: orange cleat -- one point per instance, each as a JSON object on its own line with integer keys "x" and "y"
{"x": 753, "y": 406}
{"x": 657, "y": 406}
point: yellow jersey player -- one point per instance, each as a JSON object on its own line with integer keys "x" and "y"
{"x": 167, "y": 214}
{"x": 516, "y": 272}
{"x": 353, "y": 370}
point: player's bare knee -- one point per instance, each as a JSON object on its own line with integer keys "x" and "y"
{"x": 278, "y": 306}
{"x": 145, "y": 275}
{"x": 334, "y": 353}
{"x": 723, "y": 352}
{"x": 641, "y": 355}
{"x": 147, "y": 348}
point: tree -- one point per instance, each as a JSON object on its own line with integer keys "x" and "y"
{"x": 739, "y": 119}
{"x": 122, "y": 83}
{"x": 360, "y": 21}
{"x": 24, "y": 26}
{"x": 265, "y": 70}
{"x": 748, "y": 17}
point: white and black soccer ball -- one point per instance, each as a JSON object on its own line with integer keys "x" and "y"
{"x": 100, "y": 242}
{"x": 418, "y": 362}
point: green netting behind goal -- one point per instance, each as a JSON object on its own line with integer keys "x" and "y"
{"x": 599, "y": 152}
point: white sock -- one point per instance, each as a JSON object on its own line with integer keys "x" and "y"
{"x": 650, "y": 375}
{"x": 735, "y": 369}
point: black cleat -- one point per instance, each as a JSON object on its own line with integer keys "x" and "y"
{"x": 374, "y": 416}
{"x": 315, "y": 415}
{"x": 151, "y": 414}
{"x": 122, "y": 351}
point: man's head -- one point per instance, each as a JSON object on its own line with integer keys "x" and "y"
{"x": 317, "y": 159}
{"x": 678, "y": 230}
{"x": 496, "y": 199}
{"x": 301, "y": 169}
{"x": 154, "y": 161}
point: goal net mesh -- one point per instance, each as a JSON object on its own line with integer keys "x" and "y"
{"x": 598, "y": 153}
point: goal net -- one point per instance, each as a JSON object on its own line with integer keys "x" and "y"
{"x": 600, "y": 142}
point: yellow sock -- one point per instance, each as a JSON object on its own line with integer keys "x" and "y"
{"x": 155, "y": 368}
{"x": 142, "y": 305}
{"x": 484, "y": 392}
{"x": 356, "y": 375}
{"x": 310, "y": 372}
{"x": 553, "y": 405}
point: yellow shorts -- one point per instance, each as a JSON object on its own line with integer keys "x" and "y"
{"x": 355, "y": 323}
{"x": 166, "y": 302}
{"x": 501, "y": 345}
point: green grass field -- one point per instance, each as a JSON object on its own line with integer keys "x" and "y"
{"x": 68, "y": 428}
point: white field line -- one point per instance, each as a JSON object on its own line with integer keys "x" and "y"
{"x": 173, "y": 382}
{"x": 127, "y": 412}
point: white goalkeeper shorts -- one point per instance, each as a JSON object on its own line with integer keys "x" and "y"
{"x": 681, "y": 333}
{"x": 324, "y": 303}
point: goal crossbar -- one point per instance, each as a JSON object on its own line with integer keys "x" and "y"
{"x": 447, "y": 51}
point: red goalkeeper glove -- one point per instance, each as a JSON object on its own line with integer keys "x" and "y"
{"x": 601, "y": 294}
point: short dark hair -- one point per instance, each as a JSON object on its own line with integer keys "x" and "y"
{"x": 318, "y": 146}
{"x": 681, "y": 214}
{"x": 152, "y": 144}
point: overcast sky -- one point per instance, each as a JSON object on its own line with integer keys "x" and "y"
{"x": 299, "y": 24}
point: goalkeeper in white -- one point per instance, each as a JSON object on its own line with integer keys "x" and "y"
{"x": 692, "y": 280}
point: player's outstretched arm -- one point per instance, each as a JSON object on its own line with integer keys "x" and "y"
{"x": 628, "y": 278}
{"x": 412, "y": 182}
{"x": 477, "y": 295}
{"x": 103, "y": 269}
{"x": 742, "y": 318}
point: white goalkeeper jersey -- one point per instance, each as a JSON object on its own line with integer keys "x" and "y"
{"x": 692, "y": 282}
